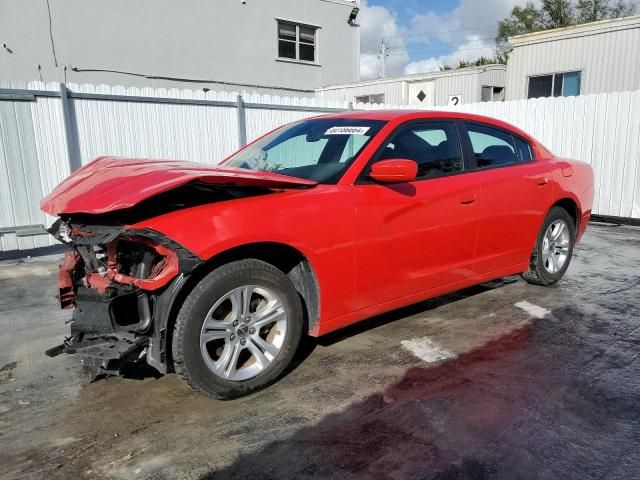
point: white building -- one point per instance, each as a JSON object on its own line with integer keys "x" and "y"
{"x": 282, "y": 46}
{"x": 598, "y": 57}
{"x": 464, "y": 85}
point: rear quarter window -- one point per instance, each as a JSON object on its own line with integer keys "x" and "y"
{"x": 523, "y": 148}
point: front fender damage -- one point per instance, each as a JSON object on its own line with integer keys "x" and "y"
{"x": 121, "y": 285}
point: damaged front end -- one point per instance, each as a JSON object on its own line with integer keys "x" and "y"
{"x": 121, "y": 284}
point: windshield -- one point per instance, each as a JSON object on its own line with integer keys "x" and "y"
{"x": 320, "y": 150}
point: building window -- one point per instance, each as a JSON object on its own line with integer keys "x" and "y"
{"x": 372, "y": 98}
{"x": 297, "y": 42}
{"x": 565, "y": 84}
{"x": 487, "y": 93}
{"x": 492, "y": 94}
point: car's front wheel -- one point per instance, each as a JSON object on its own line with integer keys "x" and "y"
{"x": 237, "y": 330}
{"x": 553, "y": 250}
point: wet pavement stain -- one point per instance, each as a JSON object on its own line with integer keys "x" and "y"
{"x": 6, "y": 372}
{"x": 521, "y": 406}
{"x": 522, "y": 397}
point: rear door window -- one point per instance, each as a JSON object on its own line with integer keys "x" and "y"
{"x": 492, "y": 147}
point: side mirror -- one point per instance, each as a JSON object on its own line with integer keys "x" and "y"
{"x": 394, "y": 171}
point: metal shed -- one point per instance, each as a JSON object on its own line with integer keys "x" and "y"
{"x": 469, "y": 85}
{"x": 597, "y": 57}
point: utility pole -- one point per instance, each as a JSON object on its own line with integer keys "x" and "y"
{"x": 383, "y": 59}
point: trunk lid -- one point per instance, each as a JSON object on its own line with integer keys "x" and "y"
{"x": 110, "y": 183}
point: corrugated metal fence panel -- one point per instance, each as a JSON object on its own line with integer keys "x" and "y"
{"x": 33, "y": 159}
{"x": 53, "y": 158}
{"x": 603, "y": 130}
{"x": 200, "y": 133}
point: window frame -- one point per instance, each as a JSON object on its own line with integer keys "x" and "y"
{"x": 296, "y": 42}
{"x": 469, "y": 151}
{"x": 553, "y": 76}
{"x": 369, "y": 97}
{"x": 364, "y": 175}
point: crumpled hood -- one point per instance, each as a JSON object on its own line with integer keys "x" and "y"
{"x": 111, "y": 183}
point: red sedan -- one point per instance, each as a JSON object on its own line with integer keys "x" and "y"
{"x": 217, "y": 272}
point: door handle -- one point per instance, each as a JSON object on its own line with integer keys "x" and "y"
{"x": 468, "y": 200}
{"x": 542, "y": 181}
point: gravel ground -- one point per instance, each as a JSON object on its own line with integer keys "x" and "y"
{"x": 501, "y": 381}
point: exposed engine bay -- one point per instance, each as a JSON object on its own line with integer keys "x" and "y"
{"x": 123, "y": 282}
{"x": 119, "y": 284}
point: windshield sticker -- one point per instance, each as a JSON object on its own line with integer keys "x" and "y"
{"x": 347, "y": 131}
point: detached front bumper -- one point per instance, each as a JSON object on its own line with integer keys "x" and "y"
{"x": 121, "y": 293}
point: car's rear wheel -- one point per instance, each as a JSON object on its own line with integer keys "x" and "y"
{"x": 553, "y": 250}
{"x": 237, "y": 330}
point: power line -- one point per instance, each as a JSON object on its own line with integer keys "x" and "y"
{"x": 454, "y": 42}
{"x": 429, "y": 49}
{"x": 432, "y": 53}
{"x": 436, "y": 52}
{"x": 431, "y": 34}
{"x": 442, "y": 49}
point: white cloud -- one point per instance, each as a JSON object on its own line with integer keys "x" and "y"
{"x": 467, "y": 31}
{"x": 377, "y": 22}
{"x": 472, "y": 49}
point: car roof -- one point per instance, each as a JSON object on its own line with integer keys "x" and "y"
{"x": 404, "y": 115}
{"x": 375, "y": 114}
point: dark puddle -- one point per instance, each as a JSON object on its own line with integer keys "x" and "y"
{"x": 556, "y": 398}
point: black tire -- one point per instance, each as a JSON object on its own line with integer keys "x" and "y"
{"x": 537, "y": 273}
{"x": 188, "y": 360}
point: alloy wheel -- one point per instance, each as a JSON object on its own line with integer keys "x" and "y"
{"x": 243, "y": 332}
{"x": 555, "y": 246}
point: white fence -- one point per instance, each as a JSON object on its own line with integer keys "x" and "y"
{"x": 46, "y": 130}
{"x": 603, "y": 130}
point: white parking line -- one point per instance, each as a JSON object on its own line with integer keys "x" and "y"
{"x": 535, "y": 311}
{"x": 427, "y": 350}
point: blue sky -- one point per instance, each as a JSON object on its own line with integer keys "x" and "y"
{"x": 409, "y": 7}
{"x": 426, "y": 34}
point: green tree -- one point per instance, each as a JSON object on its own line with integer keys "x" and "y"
{"x": 549, "y": 15}
{"x": 525, "y": 19}
{"x": 559, "y": 13}
{"x": 622, "y": 9}
{"x": 476, "y": 63}
{"x": 594, "y": 10}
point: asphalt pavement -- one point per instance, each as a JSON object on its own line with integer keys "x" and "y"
{"x": 501, "y": 381}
